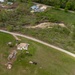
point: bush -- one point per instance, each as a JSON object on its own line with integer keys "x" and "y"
{"x": 9, "y": 27}
{"x": 66, "y": 9}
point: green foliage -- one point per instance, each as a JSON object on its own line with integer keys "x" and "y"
{"x": 66, "y": 9}
{"x": 57, "y": 35}
{"x": 3, "y": 16}
{"x": 57, "y": 7}
{"x": 69, "y": 4}
{"x": 9, "y": 27}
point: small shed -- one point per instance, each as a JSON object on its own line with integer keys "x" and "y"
{"x": 22, "y": 46}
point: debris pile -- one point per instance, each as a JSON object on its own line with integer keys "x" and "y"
{"x": 12, "y": 55}
{"x": 9, "y": 65}
{"x": 22, "y": 46}
{"x": 32, "y": 62}
{"x": 38, "y": 8}
{"x": 11, "y": 58}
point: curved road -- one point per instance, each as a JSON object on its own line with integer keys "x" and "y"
{"x": 31, "y": 38}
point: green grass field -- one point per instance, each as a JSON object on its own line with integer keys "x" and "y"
{"x": 51, "y": 61}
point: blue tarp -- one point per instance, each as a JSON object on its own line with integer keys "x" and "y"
{"x": 34, "y": 7}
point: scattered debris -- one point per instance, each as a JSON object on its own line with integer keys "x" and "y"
{"x": 43, "y": 8}
{"x": 32, "y": 62}
{"x": 1, "y": 5}
{"x": 9, "y": 3}
{"x": 34, "y": 7}
{"x": 10, "y": 44}
{"x": 38, "y": 8}
{"x": 9, "y": 7}
{"x": 27, "y": 52}
{"x": 22, "y": 46}
{"x": 9, "y": 65}
{"x": 35, "y": 63}
{"x": 12, "y": 55}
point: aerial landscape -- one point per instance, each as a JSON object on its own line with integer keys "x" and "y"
{"x": 37, "y": 37}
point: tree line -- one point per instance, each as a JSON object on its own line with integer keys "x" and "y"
{"x": 66, "y": 4}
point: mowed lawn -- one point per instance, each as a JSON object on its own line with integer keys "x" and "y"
{"x": 49, "y": 61}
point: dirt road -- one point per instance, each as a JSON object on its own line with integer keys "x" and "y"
{"x": 31, "y": 38}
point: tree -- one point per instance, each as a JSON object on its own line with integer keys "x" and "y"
{"x": 68, "y": 5}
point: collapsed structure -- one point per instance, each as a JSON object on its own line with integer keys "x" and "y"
{"x": 22, "y": 46}
{"x": 38, "y": 8}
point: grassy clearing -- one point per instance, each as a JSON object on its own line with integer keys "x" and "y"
{"x": 53, "y": 62}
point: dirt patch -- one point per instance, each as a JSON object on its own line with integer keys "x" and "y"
{"x": 62, "y": 25}
{"x": 46, "y": 25}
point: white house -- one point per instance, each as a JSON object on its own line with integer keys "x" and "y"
{"x": 2, "y": 0}
{"x": 22, "y": 46}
